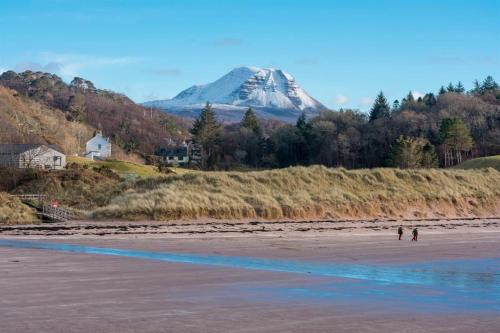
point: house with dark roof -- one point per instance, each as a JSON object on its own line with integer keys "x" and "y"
{"x": 36, "y": 156}
{"x": 175, "y": 155}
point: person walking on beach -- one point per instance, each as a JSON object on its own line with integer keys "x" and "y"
{"x": 400, "y": 231}
{"x": 415, "y": 235}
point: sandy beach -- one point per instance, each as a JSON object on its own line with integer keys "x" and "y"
{"x": 47, "y": 290}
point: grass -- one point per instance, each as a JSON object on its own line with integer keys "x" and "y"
{"x": 13, "y": 211}
{"x": 126, "y": 169}
{"x": 122, "y": 168}
{"x": 481, "y": 163}
{"x": 310, "y": 192}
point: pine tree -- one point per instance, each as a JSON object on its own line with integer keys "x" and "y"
{"x": 409, "y": 98}
{"x": 489, "y": 84}
{"x": 206, "y": 131}
{"x": 429, "y": 99}
{"x": 395, "y": 106}
{"x": 251, "y": 122}
{"x": 450, "y": 87}
{"x": 442, "y": 90}
{"x": 304, "y": 130}
{"x": 459, "y": 88}
{"x": 380, "y": 108}
{"x": 477, "y": 88}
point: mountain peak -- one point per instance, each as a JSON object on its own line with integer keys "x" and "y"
{"x": 272, "y": 91}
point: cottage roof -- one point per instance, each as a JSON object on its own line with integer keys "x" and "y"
{"x": 18, "y": 148}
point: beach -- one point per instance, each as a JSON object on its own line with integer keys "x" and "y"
{"x": 281, "y": 281}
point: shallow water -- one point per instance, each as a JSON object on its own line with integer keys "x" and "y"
{"x": 462, "y": 285}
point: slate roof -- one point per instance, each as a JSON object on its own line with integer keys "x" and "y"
{"x": 18, "y": 148}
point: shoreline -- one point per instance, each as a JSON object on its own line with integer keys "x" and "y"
{"x": 236, "y": 228}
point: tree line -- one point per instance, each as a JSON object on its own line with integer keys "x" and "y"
{"x": 429, "y": 131}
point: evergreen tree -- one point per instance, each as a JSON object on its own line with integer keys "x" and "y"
{"x": 409, "y": 98}
{"x": 380, "y": 108}
{"x": 429, "y": 99}
{"x": 251, "y": 122}
{"x": 395, "y": 106}
{"x": 442, "y": 90}
{"x": 477, "y": 88}
{"x": 450, "y": 87}
{"x": 459, "y": 88}
{"x": 489, "y": 84}
{"x": 304, "y": 130}
{"x": 206, "y": 131}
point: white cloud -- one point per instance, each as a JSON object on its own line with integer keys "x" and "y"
{"x": 417, "y": 94}
{"x": 341, "y": 99}
{"x": 366, "y": 101}
{"x": 70, "y": 65}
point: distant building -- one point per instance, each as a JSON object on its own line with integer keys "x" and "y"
{"x": 98, "y": 147}
{"x": 36, "y": 156}
{"x": 176, "y": 155}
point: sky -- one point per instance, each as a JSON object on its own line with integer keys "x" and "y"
{"x": 341, "y": 52}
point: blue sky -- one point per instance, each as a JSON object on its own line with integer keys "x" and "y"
{"x": 341, "y": 52}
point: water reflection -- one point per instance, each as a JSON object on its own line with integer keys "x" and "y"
{"x": 461, "y": 281}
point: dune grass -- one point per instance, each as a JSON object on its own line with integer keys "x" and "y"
{"x": 13, "y": 211}
{"x": 481, "y": 163}
{"x": 310, "y": 192}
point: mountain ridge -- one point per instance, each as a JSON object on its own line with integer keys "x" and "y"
{"x": 272, "y": 93}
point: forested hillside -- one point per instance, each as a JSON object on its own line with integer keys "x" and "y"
{"x": 441, "y": 129}
{"x": 131, "y": 126}
{"x": 24, "y": 121}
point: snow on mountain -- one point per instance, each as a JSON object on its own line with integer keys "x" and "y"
{"x": 271, "y": 92}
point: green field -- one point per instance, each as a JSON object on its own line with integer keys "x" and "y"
{"x": 481, "y": 163}
{"x": 122, "y": 168}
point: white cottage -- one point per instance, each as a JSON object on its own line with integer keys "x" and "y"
{"x": 26, "y": 156}
{"x": 98, "y": 147}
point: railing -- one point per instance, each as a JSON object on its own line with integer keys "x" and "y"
{"x": 36, "y": 197}
{"x": 47, "y": 211}
{"x": 56, "y": 213}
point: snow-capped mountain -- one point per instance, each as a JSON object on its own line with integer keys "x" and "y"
{"x": 272, "y": 93}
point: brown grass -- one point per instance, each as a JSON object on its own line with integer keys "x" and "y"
{"x": 25, "y": 121}
{"x": 13, "y": 211}
{"x": 311, "y": 192}
{"x": 77, "y": 188}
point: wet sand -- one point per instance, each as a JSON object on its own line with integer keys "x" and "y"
{"x": 54, "y": 291}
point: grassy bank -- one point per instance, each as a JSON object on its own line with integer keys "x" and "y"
{"x": 122, "y": 168}
{"x": 481, "y": 163}
{"x": 311, "y": 192}
{"x": 14, "y": 211}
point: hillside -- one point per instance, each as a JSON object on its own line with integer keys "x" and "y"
{"x": 23, "y": 120}
{"x": 130, "y": 126}
{"x": 481, "y": 163}
{"x": 14, "y": 211}
{"x": 311, "y": 193}
{"x": 122, "y": 168}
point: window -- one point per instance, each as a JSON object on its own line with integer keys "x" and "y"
{"x": 57, "y": 160}
{"x": 99, "y": 146}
